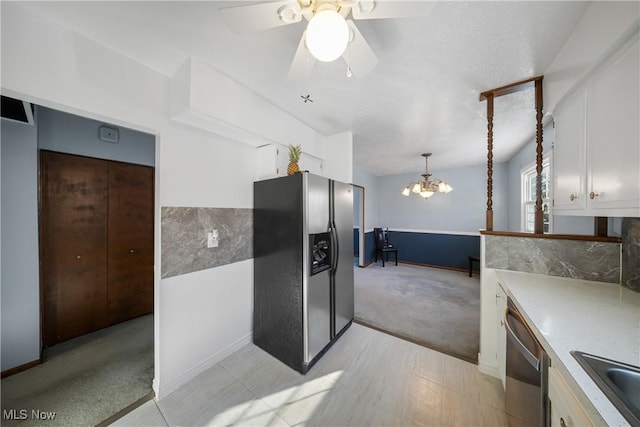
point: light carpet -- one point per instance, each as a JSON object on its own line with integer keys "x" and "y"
{"x": 437, "y": 308}
{"x": 86, "y": 380}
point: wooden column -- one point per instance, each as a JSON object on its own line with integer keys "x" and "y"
{"x": 489, "y": 96}
{"x": 489, "y": 224}
{"x": 600, "y": 226}
{"x": 539, "y": 213}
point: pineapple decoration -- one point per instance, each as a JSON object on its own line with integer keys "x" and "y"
{"x": 294, "y": 157}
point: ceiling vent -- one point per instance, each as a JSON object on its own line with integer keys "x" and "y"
{"x": 16, "y": 110}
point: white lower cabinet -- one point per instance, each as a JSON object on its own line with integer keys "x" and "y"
{"x": 565, "y": 410}
{"x": 501, "y": 345}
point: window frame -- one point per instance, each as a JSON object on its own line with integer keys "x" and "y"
{"x": 525, "y": 174}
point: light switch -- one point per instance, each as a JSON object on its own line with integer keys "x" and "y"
{"x": 212, "y": 239}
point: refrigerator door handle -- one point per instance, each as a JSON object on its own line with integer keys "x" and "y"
{"x": 336, "y": 245}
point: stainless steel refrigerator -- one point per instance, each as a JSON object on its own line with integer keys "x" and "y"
{"x": 303, "y": 266}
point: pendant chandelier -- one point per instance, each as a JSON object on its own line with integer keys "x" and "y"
{"x": 426, "y": 188}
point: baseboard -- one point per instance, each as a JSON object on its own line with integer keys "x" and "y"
{"x": 488, "y": 369}
{"x": 112, "y": 419}
{"x": 163, "y": 390}
{"x": 442, "y": 267}
{"x": 155, "y": 385}
{"x": 20, "y": 368}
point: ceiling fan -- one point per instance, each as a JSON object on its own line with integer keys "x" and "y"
{"x": 328, "y": 35}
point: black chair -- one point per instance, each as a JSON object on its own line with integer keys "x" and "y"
{"x": 382, "y": 244}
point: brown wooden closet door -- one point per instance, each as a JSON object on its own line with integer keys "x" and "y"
{"x": 74, "y": 245}
{"x": 130, "y": 291}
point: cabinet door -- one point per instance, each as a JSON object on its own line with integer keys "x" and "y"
{"x": 73, "y": 224}
{"x": 569, "y": 178}
{"x": 272, "y": 161}
{"x": 565, "y": 409}
{"x": 614, "y": 135}
{"x": 130, "y": 241}
{"x": 501, "y": 345}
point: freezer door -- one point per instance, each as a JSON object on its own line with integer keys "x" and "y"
{"x": 317, "y": 194}
{"x": 343, "y": 281}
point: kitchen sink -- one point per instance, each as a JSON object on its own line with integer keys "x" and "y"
{"x": 619, "y": 381}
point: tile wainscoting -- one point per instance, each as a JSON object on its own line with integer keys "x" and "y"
{"x": 587, "y": 260}
{"x": 184, "y": 238}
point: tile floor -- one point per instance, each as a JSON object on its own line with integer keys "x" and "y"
{"x": 367, "y": 378}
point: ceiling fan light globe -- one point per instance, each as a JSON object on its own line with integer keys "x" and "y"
{"x": 416, "y": 187}
{"x": 406, "y": 191}
{"x": 327, "y": 35}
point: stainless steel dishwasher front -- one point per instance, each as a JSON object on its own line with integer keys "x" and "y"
{"x": 527, "y": 373}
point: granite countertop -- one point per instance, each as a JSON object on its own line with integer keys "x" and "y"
{"x": 593, "y": 317}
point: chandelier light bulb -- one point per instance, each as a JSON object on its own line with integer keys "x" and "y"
{"x": 406, "y": 191}
{"x": 443, "y": 187}
{"x": 416, "y": 187}
{"x": 426, "y": 194}
{"x": 327, "y": 35}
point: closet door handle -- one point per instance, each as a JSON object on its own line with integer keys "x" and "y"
{"x": 78, "y": 256}
{"x": 132, "y": 251}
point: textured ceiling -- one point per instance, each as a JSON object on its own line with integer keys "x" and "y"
{"x": 422, "y": 96}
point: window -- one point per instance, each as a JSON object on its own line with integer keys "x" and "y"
{"x": 529, "y": 197}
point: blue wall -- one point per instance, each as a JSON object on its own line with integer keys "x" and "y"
{"x": 67, "y": 133}
{"x": 446, "y": 250}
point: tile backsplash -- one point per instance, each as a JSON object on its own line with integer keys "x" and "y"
{"x": 599, "y": 261}
{"x": 184, "y": 238}
{"x": 631, "y": 253}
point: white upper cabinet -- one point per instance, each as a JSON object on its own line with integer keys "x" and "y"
{"x": 273, "y": 160}
{"x": 613, "y": 138}
{"x": 597, "y": 141}
{"x": 569, "y": 157}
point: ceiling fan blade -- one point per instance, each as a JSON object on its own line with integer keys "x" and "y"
{"x": 369, "y": 9}
{"x": 358, "y": 54}
{"x": 302, "y": 62}
{"x": 259, "y": 17}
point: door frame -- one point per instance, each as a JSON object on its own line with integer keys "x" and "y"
{"x": 362, "y": 250}
{"x": 156, "y": 214}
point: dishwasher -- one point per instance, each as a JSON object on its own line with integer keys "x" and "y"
{"x": 526, "y": 399}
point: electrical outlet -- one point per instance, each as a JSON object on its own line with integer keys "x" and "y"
{"x": 212, "y": 239}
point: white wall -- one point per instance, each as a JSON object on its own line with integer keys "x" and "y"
{"x": 19, "y": 286}
{"x": 68, "y": 133}
{"x": 337, "y": 152}
{"x": 199, "y": 317}
{"x": 462, "y": 210}
{"x": 603, "y": 28}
